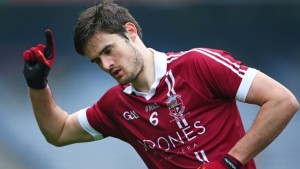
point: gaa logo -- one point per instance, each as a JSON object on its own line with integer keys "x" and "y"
{"x": 130, "y": 115}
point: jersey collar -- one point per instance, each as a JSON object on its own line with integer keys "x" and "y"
{"x": 160, "y": 64}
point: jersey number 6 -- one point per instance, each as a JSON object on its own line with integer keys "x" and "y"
{"x": 153, "y": 119}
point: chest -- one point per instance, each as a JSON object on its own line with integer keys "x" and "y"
{"x": 179, "y": 119}
{"x": 174, "y": 113}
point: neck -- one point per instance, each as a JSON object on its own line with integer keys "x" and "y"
{"x": 146, "y": 77}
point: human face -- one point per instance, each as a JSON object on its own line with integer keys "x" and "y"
{"x": 115, "y": 55}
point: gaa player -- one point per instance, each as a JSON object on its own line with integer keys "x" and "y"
{"x": 177, "y": 109}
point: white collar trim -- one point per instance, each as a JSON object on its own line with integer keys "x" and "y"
{"x": 160, "y": 65}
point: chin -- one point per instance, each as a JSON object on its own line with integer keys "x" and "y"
{"x": 122, "y": 81}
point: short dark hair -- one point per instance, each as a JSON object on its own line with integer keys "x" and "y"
{"x": 106, "y": 17}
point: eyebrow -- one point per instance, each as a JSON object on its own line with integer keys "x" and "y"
{"x": 101, "y": 52}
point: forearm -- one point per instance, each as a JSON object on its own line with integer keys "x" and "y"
{"x": 272, "y": 118}
{"x": 50, "y": 117}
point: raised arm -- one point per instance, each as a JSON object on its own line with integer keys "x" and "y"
{"x": 58, "y": 127}
{"x": 277, "y": 106}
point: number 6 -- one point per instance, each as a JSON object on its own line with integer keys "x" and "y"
{"x": 153, "y": 119}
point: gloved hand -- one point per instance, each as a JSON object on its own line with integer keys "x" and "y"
{"x": 228, "y": 162}
{"x": 38, "y": 62}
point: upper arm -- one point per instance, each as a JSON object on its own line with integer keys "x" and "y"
{"x": 277, "y": 107}
{"x": 73, "y": 132}
{"x": 264, "y": 89}
{"x": 273, "y": 97}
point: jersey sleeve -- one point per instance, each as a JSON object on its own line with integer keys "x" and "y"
{"x": 245, "y": 84}
{"x": 98, "y": 119}
{"x": 224, "y": 76}
{"x": 82, "y": 118}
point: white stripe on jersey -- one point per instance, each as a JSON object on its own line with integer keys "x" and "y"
{"x": 224, "y": 58}
{"x": 229, "y": 65}
{"x": 170, "y": 86}
{"x": 172, "y": 57}
{"x": 247, "y": 75}
{"x": 213, "y": 55}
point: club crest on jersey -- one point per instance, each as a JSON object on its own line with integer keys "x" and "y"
{"x": 175, "y": 106}
{"x": 174, "y": 101}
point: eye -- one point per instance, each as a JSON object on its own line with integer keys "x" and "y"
{"x": 107, "y": 51}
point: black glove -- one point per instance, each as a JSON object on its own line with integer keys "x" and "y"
{"x": 38, "y": 62}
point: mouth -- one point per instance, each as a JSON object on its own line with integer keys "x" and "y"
{"x": 115, "y": 72}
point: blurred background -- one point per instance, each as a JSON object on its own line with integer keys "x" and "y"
{"x": 264, "y": 34}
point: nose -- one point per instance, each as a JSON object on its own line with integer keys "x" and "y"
{"x": 106, "y": 63}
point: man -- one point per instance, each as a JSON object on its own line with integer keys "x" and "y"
{"x": 177, "y": 109}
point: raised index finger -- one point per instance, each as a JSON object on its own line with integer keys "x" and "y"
{"x": 49, "y": 50}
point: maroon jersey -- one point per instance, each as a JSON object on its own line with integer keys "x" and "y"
{"x": 189, "y": 116}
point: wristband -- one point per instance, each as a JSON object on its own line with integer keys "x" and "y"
{"x": 231, "y": 162}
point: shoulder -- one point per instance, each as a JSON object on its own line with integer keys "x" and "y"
{"x": 195, "y": 53}
{"x": 196, "y": 57}
{"x": 111, "y": 97}
{"x": 113, "y": 94}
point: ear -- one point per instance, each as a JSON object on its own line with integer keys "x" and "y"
{"x": 131, "y": 30}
